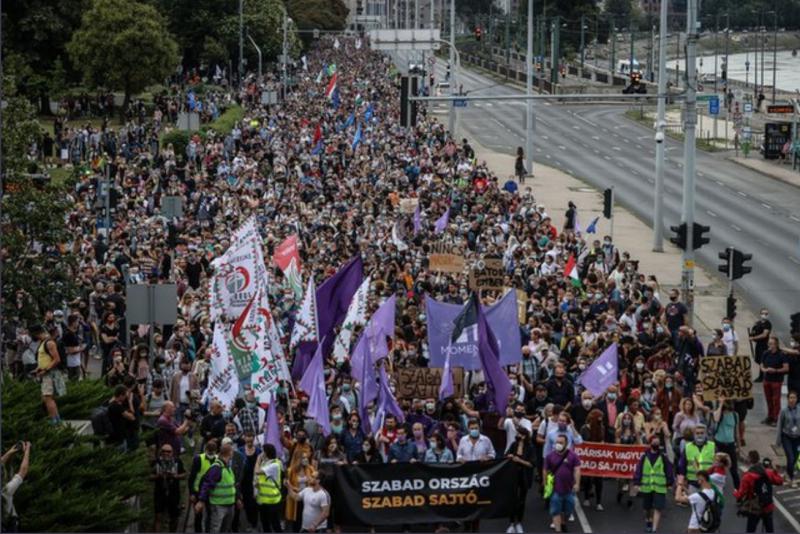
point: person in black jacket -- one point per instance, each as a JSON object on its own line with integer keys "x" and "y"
{"x": 521, "y": 452}
{"x": 519, "y": 166}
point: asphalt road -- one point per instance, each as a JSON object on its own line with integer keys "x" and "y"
{"x": 596, "y": 143}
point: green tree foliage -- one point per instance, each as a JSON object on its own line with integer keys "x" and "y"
{"x": 37, "y": 31}
{"x": 73, "y": 484}
{"x": 318, "y": 14}
{"x": 123, "y": 45}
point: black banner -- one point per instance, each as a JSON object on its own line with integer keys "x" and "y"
{"x": 395, "y": 494}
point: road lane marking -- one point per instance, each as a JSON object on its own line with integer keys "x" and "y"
{"x": 595, "y": 138}
{"x": 711, "y": 213}
{"x": 616, "y": 148}
{"x": 562, "y": 147}
{"x": 794, "y": 260}
{"x": 700, "y": 174}
{"x": 741, "y": 194}
{"x": 607, "y": 157}
{"x": 639, "y": 147}
{"x": 634, "y": 171}
{"x": 545, "y": 137}
{"x": 766, "y": 206}
{"x": 719, "y": 183}
{"x": 651, "y": 180}
{"x": 736, "y": 228}
{"x": 547, "y": 156}
{"x": 584, "y": 521}
{"x": 792, "y": 217}
{"x": 576, "y": 127}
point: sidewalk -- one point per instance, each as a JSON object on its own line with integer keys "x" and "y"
{"x": 554, "y": 189}
{"x": 782, "y": 172}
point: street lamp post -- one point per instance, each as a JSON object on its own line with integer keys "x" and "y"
{"x": 285, "y": 58}
{"x": 658, "y": 197}
{"x": 258, "y": 50}
{"x": 241, "y": 40}
{"x": 774, "y": 50}
{"x": 583, "y": 37}
{"x": 529, "y": 91}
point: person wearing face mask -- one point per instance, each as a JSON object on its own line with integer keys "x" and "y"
{"x": 298, "y": 477}
{"x": 337, "y": 421}
{"x": 563, "y": 427}
{"x": 675, "y": 314}
{"x": 475, "y": 446}
{"x": 611, "y": 406}
{"x": 654, "y": 475}
{"x": 697, "y": 455}
{"x": 595, "y": 431}
{"x": 515, "y": 418}
{"x": 250, "y": 417}
{"x": 729, "y": 337}
{"x": 418, "y": 415}
{"x": 562, "y": 468}
{"x": 759, "y": 338}
{"x": 716, "y": 347}
{"x": 668, "y": 400}
{"x": 774, "y": 365}
{"x": 581, "y": 411}
{"x": 521, "y": 452}
{"x": 368, "y": 453}
{"x": 438, "y": 452}
{"x": 402, "y": 450}
{"x": 329, "y": 456}
{"x": 352, "y": 437}
{"x": 560, "y": 389}
{"x": 183, "y": 383}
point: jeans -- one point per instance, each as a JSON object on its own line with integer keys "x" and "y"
{"x": 790, "y": 446}
{"x": 752, "y": 522}
{"x": 270, "y": 517}
{"x": 772, "y": 393}
{"x": 221, "y": 517}
{"x": 562, "y": 504}
{"x": 730, "y": 450}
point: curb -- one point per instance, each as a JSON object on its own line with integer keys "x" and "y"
{"x": 764, "y": 173}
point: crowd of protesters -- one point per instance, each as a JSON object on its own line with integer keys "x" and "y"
{"x": 344, "y": 200}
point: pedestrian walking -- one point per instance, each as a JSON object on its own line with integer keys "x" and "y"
{"x": 697, "y": 456}
{"x": 268, "y": 483}
{"x": 48, "y": 372}
{"x": 788, "y": 435}
{"x": 521, "y": 452}
{"x": 219, "y": 492}
{"x": 759, "y": 335}
{"x": 754, "y": 497}
{"x": 563, "y": 479}
{"x": 704, "y": 511}
{"x": 775, "y": 366}
{"x": 654, "y": 475}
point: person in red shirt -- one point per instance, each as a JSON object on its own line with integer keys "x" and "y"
{"x": 756, "y": 487}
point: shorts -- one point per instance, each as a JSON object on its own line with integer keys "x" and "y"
{"x": 562, "y": 504}
{"x": 53, "y": 384}
{"x": 654, "y": 501}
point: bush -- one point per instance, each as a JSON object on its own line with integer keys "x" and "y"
{"x": 179, "y": 139}
{"x": 73, "y": 485}
{"x": 225, "y": 122}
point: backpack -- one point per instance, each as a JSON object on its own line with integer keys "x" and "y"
{"x": 62, "y": 356}
{"x": 711, "y": 518}
{"x": 763, "y": 491}
{"x": 101, "y": 423}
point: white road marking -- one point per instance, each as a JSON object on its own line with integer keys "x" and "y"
{"x": 719, "y": 182}
{"x": 736, "y": 228}
{"x": 584, "y": 521}
{"x": 616, "y": 148}
{"x": 639, "y": 147}
{"x": 651, "y": 180}
{"x": 766, "y": 206}
{"x": 587, "y": 121}
{"x": 576, "y": 127}
{"x": 634, "y": 171}
{"x": 711, "y": 213}
{"x": 562, "y": 147}
{"x": 700, "y": 174}
{"x": 488, "y": 104}
{"x": 742, "y": 194}
{"x": 607, "y": 157}
{"x": 547, "y": 156}
{"x": 792, "y": 217}
{"x": 538, "y": 149}
{"x": 794, "y": 260}
{"x": 545, "y": 137}
{"x": 595, "y": 138}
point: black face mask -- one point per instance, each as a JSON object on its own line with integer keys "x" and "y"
{"x": 301, "y": 439}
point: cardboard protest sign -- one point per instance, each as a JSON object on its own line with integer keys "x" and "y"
{"x": 424, "y": 382}
{"x": 446, "y": 263}
{"x": 408, "y": 205}
{"x": 726, "y": 376}
{"x": 522, "y": 305}
{"x": 487, "y": 273}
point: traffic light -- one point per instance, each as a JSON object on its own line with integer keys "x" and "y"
{"x": 478, "y": 33}
{"x": 731, "y": 307}
{"x": 608, "y": 202}
{"x": 725, "y": 268}
{"x": 795, "y": 320}
{"x": 739, "y": 269}
{"x": 698, "y": 240}
{"x": 680, "y": 236}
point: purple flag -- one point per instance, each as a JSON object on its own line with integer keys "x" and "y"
{"x": 313, "y": 383}
{"x": 387, "y": 404}
{"x": 272, "y": 434}
{"x": 603, "y": 372}
{"x": 489, "y": 353}
{"x": 441, "y": 222}
{"x": 333, "y": 299}
{"x": 417, "y": 220}
{"x": 378, "y": 328}
{"x": 446, "y": 387}
{"x": 366, "y": 377}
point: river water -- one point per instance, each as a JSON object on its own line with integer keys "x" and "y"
{"x": 787, "y": 72}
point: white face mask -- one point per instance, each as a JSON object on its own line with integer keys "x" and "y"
{"x": 587, "y": 403}
{"x": 560, "y": 447}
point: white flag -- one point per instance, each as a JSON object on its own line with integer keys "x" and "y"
{"x": 268, "y": 353}
{"x": 356, "y": 316}
{"x": 397, "y": 239}
{"x": 358, "y": 44}
{"x": 305, "y": 324}
{"x": 305, "y": 63}
{"x": 223, "y": 382}
{"x": 336, "y": 44}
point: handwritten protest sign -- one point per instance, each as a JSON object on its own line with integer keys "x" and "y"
{"x": 522, "y": 305}
{"x": 446, "y": 263}
{"x": 608, "y": 460}
{"x": 487, "y": 273}
{"x": 424, "y": 382}
{"x": 726, "y": 376}
{"x": 408, "y": 205}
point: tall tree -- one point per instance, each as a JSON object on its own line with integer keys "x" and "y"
{"x": 318, "y": 14}
{"x": 123, "y": 45}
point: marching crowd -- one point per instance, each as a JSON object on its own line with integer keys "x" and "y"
{"x": 344, "y": 199}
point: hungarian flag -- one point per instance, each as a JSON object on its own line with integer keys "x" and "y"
{"x": 571, "y": 271}
{"x": 331, "y": 86}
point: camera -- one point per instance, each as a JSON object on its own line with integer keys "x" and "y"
{"x": 659, "y": 137}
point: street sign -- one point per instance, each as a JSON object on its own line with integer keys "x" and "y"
{"x": 747, "y": 132}
{"x": 707, "y": 98}
{"x": 781, "y": 108}
{"x": 748, "y": 107}
{"x": 459, "y": 103}
{"x": 713, "y": 107}
{"x": 432, "y": 60}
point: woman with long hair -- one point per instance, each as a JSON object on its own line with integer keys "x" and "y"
{"x": 521, "y": 452}
{"x": 297, "y": 477}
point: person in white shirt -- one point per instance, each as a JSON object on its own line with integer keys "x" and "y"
{"x": 316, "y": 505}
{"x": 730, "y": 338}
{"x": 514, "y": 419}
{"x": 10, "y": 517}
{"x": 474, "y": 446}
{"x": 697, "y": 504}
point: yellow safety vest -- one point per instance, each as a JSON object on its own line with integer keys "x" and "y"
{"x": 699, "y": 459}
{"x": 224, "y": 492}
{"x": 654, "y": 480}
{"x": 205, "y": 465}
{"x": 269, "y": 491}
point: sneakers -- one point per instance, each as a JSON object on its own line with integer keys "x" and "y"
{"x": 648, "y": 526}
{"x": 586, "y": 503}
{"x": 552, "y": 526}
{"x": 571, "y": 518}
{"x": 511, "y": 528}
{"x": 518, "y": 528}
{"x": 795, "y": 483}
{"x": 599, "y": 507}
